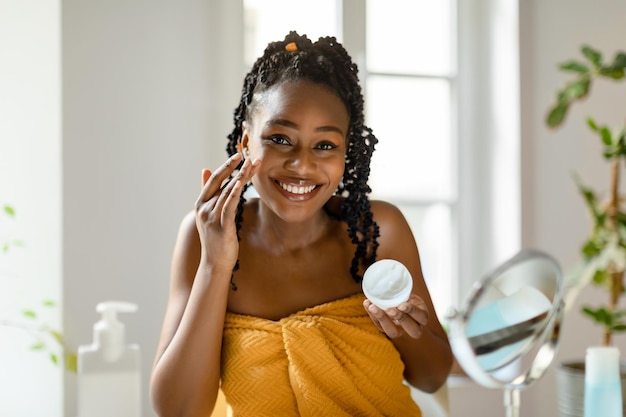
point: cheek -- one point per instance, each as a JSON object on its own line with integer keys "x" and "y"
{"x": 255, "y": 152}
{"x": 338, "y": 169}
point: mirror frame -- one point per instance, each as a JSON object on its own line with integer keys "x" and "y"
{"x": 547, "y": 335}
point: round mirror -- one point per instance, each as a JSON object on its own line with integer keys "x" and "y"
{"x": 506, "y": 333}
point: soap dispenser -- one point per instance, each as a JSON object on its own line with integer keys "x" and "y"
{"x": 109, "y": 376}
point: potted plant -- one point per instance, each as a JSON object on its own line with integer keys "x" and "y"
{"x": 45, "y": 338}
{"x": 604, "y": 251}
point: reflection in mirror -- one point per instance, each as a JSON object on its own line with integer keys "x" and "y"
{"x": 511, "y": 316}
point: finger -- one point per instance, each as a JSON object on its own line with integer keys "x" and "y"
{"x": 229, "y": 198}
{"x": 206, "y": 174}
{"x": 366, "y": 304}
{"x": 385, "y": 322}
{"x": 230, "y": 205}
{"x": 227, "y": 189}
{"x": 374, "y": 312}
{"x": 215, "y": 181}
{"x": 406, "y": 323}
{"x": 416, "y": 308}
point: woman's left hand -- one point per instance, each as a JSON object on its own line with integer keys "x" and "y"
{"x": 409, "y": 317}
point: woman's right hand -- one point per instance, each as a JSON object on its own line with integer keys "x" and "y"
{"x": 216, "y": 208}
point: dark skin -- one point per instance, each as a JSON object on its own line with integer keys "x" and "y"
{"x": 292, "y": 253}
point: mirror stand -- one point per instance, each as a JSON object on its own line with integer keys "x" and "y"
{"x": 512, "y": 401}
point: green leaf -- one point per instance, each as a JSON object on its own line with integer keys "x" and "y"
{"x": 592, "y": 55}
{"x": 610, "y": 72}
{"x": 577, "y": 89}
{"x": 574, "y": 66}
{"x": 71, "y": 362}
{"x": 57, "y": 336}
{"x": 54, "y": 358}
{"x": 606, "y": 136}
{"x": 600, "y": 277}
{"x": 590, "y": 249}
{"x": 592, "y": 124}
{"x": 49, "y": 303}
{"x": 621, "y": 141}
{"x": 30, "y": 314}
{"x": 591, "y": 203}
{"x": 620, "y": 60}
{"x": 557, "y": 115}
{"x": 38, "y": 346}
{"x": 9, "y": 210}
{"x": 619, "y": 328}
{"x": 601, "y": 316}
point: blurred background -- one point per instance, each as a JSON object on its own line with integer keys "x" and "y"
{"x": 109, "y": 110}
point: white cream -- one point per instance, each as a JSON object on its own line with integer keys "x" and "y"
{"x": 387, "y": 283}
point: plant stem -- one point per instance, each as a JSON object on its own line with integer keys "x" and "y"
{"x": 616, "y": 283}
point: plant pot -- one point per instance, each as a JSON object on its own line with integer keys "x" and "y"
{"x": 570, "y": 379}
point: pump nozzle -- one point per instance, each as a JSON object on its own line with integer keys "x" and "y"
{"x": 108, "y": 333}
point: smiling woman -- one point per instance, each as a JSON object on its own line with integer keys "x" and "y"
{"x": 266, "y": 302}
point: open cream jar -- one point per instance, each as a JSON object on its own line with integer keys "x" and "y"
{"x": 387, "y": 283}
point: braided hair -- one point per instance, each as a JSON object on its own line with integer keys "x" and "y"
{"x": 324, "y": 62}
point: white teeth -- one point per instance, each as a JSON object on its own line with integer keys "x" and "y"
{"x": 297, "y": 190}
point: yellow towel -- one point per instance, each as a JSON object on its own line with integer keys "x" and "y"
{"x": 328, "y": 360}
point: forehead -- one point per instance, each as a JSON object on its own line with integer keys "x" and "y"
{"x": 300, "y": 98}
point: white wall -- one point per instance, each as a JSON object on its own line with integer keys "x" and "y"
{"x": 30, "y": 181}
{"x": 141, "y": 119}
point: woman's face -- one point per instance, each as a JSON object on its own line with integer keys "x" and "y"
{"x": 298, "y": 130}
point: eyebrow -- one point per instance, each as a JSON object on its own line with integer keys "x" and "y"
{"x": 290, "y": 124}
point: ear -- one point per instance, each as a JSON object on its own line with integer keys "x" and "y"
{"x": 242, "y": 146}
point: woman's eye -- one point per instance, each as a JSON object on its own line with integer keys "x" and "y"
{"x": 279, "y": 140}
{"x": 326, "y": 146}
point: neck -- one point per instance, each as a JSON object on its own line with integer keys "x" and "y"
{"x": 290, "y": 236}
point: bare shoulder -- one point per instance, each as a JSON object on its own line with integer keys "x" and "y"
{"x": 186, "y": 255}
{"x": 396, "y": 238}
{"x": 385, "y": 212}
{"x": 187, "y": 231}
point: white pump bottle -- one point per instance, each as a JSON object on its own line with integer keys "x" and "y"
{"x": 109, "y": 377}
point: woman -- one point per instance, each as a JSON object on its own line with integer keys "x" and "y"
{"x": 265, "y": 299}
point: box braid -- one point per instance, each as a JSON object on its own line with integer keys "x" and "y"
{"x": 323, "y": 62}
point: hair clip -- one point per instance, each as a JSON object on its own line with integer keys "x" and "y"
{"x": 291, "y": 47}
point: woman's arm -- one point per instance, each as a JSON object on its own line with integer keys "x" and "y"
{"x": 416, "y": 332}
{"x": 186, "y": 372}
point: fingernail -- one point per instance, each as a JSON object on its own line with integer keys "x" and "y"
{"x": 403, "y": 307}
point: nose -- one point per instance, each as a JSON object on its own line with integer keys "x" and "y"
{"x": 301, "y": 161}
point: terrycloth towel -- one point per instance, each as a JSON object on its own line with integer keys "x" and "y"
{"x": 328, "y": 360}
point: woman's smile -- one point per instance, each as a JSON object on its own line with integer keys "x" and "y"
{"x": 297, "y": 191}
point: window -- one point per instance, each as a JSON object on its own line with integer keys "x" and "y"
{"x": 409, "y": 86}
